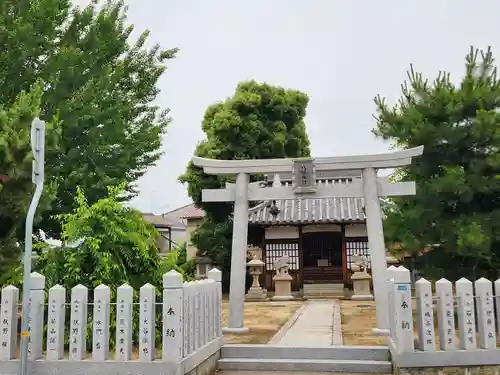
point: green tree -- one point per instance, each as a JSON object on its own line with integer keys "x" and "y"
{"x": 119, "y": 246}
{"x": 456, "y": 211}
{"x": 259, "y": 121}
{"x": 16, "y": 186}
{"x": 98, "y": 84}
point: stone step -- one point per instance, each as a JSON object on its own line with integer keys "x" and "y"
{"x": 317, "y": 365}
{"x": 349, "y": 353}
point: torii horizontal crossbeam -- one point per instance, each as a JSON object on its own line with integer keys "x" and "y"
{"x": 355, "y": 162}
{"x": 351, "y": 190}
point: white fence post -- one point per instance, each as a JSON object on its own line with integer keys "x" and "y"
{"x": 403, "y": 310}
{"x": 78, "y": 325}
{"x": 465, "y": 314}
{"x": 8, "y": 324}
{"x": 216, "y": 275}
{"x": 35, "y": 320}
{"x": 55, "y": 323}
{"x": 100, "y": 329}
{"x": 425, "y": 315}
{"x": 124, "y": 311}
{"x": 147, "y": 323}
{"x": 172, "y": 316}
{"x": 446, "y": 315}
{"x": 486, "y": 315}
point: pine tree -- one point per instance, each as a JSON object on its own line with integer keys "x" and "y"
{"x": 456, "y": 211}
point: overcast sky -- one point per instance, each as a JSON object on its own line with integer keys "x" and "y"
{"x": 341, "y": 53}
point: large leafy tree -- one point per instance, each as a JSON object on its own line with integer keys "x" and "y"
{"x": 103, "y": 243}
{"x": 259, "y": 121}
{"x": 16, "y": 184}
{"x": 98, "y": 82}
{"x": 456, "y": 212}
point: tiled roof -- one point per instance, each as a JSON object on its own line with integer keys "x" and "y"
{"x": 193, "y": 213}
{"x": 156, "y": 220}
{"x": 310, "y": 210}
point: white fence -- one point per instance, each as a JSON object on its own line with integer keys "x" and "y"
{"x": 191, "y": 322}
{"x": 464, "y": 318}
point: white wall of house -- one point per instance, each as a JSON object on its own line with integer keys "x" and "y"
{"x": 356, "y": 230}
{"x": 281, "y": 232}
{"x": 278, "y": 232}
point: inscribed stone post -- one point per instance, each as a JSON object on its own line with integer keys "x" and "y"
{"x": 124, "y": 309}
{"x": 486, "y": 315}
{"x": 147, "y": 323}
{"x": 466, "y": 314}
{"x": 197, "y": 315}
{"x": 78, "y": 325}
{"x": 8, "y": 324}
{"x": 403, "y": 310}
{"x": 100, "y": 329}
{"x": 216, "y": 275}
{"x": 425, "y": 315}
{"x": 172, "y": 317}
{"x": 35, "y": 320}
{"x": 446, "y": 316}
{"x": 55, "y": 323}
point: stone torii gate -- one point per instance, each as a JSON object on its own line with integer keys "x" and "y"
{"x": 304, "y": 172}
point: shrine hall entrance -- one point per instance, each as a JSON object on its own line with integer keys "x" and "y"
{"x": 322, "y": 257}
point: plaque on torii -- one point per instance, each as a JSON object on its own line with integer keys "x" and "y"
{"x": 369, "y": 187}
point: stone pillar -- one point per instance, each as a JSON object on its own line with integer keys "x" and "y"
{"x": 35, "y": 321}
{"x": 124, "y": 313}
{"x": 238, "y": 257}
{"x": 8, "y": 322}
{"x": 376, "y": 244}
{"x": 78, "y": 325}
{"x": 147, "y": 323}
{"x": 216, "y": 275}
{"x": 100, "y": 329}
{"x": 55, "y": 324}
{"x": 172, "y": 317}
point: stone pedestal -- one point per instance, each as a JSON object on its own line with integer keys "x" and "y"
{"x": 361, "y": 286}
{"x": 256, "y": 294}
{"x": 282, "y": 287}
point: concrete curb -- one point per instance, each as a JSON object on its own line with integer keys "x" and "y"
{"x": 337, "y": 338}
{"x": 289, "y": 323}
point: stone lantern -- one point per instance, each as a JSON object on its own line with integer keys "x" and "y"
{"x": 255, "y": 267}
{"x": 360, "y": 279}
{"x": 203, "y": 265}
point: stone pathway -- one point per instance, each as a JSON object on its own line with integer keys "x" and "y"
{"x": 317, "y": 324}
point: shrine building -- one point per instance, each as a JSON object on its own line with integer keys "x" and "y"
{"x": 319, "y": 235}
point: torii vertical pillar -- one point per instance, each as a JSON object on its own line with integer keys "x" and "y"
{"x": 376, "y": 244}
{"x": 238, "y": 257}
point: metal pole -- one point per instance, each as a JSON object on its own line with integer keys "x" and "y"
{"x": 38, "y": 147}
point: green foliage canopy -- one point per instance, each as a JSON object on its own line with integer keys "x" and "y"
{"x": 457, "y": 207}
{"x": 259, "y": 121}
{"x": 97, "y": 81}
{"x": 16, "y": 186}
